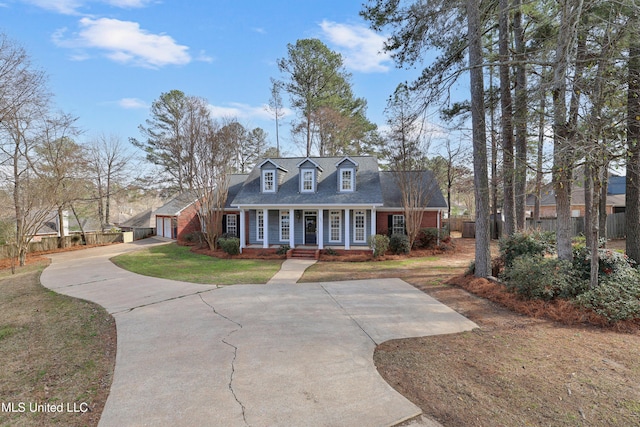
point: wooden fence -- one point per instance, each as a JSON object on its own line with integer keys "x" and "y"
{"x": 615, "y": 225}
{"x": 50, "y": 243}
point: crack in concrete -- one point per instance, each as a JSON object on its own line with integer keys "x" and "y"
{"x": 235, "y": 355}
{"x": 129, "y": 310}
{"x": 349, "y": 315}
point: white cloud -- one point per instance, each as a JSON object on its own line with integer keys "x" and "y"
{"x": 65, "y": 7}
{"x": 125, "y": 42}
{"x": 243, "y": 111}
{"x": 132, "y": 103}
{"x": 128, "y": 4}
{"x": 71, "y": 7}
{"x": 360, "y": 46}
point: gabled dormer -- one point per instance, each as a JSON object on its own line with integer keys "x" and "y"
{"x": 309, "y": 173}
{"x": 271, "y": 176}
{"x": 346, "y": 173}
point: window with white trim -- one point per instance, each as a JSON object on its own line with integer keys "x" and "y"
{"x": 284, "y": 225}
{"x": 335, "y": 226}
{"x": 359, "y": 226}
{"x": 232, "y": 225}
{"x": 346, "y": 180}
{"x": 307, "y": 180}
{"x": 269, "y": 181}
{"x": 260, "y": 225}
{"x": 397, "y": 224}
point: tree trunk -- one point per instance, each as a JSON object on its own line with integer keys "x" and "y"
{"x": 520, "y": 118}
{"x": 62, "y": 241}
{"x": 481, "y": 180}
{"x": 562, "y": 150}
{"x": 588, "y": 202}
{"x": 508, "y": 171}
{"x": 632, "y": 198}
{"x": 540, "y": 157}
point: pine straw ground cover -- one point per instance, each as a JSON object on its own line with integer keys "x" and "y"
{"x": 542, "y": 367}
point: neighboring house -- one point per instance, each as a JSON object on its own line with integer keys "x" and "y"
{"x": 323, "y": 202}
{"x": 178, "y": 218}
{"x": 615, "y": 200}
{"x": 142, "y": 225}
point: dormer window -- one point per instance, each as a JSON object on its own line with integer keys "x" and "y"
{"x": 307, "y": 180}
{"x": 347, "y": 168}
{"x": 346, "y": 179}
{"x": 310, "y": 172}
{"x": 268, "y": 181}
{"x": 271, "y": 176}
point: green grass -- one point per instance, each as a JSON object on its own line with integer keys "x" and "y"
{"x": 179, "y": 263}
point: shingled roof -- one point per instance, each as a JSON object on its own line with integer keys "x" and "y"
{"x": 367, "y": 192}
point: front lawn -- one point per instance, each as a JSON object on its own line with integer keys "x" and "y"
{"x": 54, "y": 350}
{"x": 179, "y": 263}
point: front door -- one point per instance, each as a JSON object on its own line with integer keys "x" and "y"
{"x": 310, "y": 228}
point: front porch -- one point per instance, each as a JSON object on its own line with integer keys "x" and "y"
{"x": 313, "y": 229}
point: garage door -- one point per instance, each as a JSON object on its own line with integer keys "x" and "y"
{"x": 167, "y": 228}
{"x": 159, "y": 229}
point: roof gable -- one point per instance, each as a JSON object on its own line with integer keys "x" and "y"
{"x": 309, "y": 163}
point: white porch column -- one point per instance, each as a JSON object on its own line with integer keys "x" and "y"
{"x": 438, "y": 225}
{"x": 347, "y": 230}
{"x": 265, "y": 227}
{"x": 292, "y": 233}
{"x": 320, "y": 229}
{"x": 374, "y": 226}
{"x": 243, "y": 232}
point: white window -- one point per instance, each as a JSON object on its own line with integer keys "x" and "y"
{"x": 335, "y": 226}
{"x": 260, "y": 225}
{"x": 232, "y": 225}
{"x": 346, "y": 180}
{"x": 397, "y": 224}
{"x": 269, "y": 181}
{"x": 359, "y": 226}
{"x": 307, "y": 180}
{"x": 284, "y": 225}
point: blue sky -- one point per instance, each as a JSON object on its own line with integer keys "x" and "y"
{"x": 107, "y": 60}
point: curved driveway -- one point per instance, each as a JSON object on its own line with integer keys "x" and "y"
{"x": 249, "y": 355}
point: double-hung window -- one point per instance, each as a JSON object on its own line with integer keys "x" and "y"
{"x": 284, "y": 226}
{"x": 232, "y": 225}
{"x": 335, "y": 226}
{"x": 359, "y": 226}
{"x": 307, "y": 180}
{"x": 397, "y": 224}
{"x": 260, "y": 225}
{"x": 346, "y": 180}
{"x": 269, "y": 181}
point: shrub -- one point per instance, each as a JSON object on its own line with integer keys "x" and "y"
{"x": 230, "y": 245}
{"x": 283, "y": 249}
{"x": 533, "y": 276}
{"x": 427, "y": 238}
{"x": 331, "y": 251}
{"x": 610, "y": 263}
{"x": 615, "y": 299}
{"x": 526, "y": 243}
{"x": 399, "y": 244}
{"x": 379, "y": 243}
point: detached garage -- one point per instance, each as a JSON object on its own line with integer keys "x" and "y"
{"x": 177, "y": 218}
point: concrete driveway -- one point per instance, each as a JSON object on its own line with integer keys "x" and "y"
{"x": 249, "y": 355}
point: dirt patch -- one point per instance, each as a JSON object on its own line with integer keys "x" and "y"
{"x": 54, "y": 350}
{"x": 516, "y": 369}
